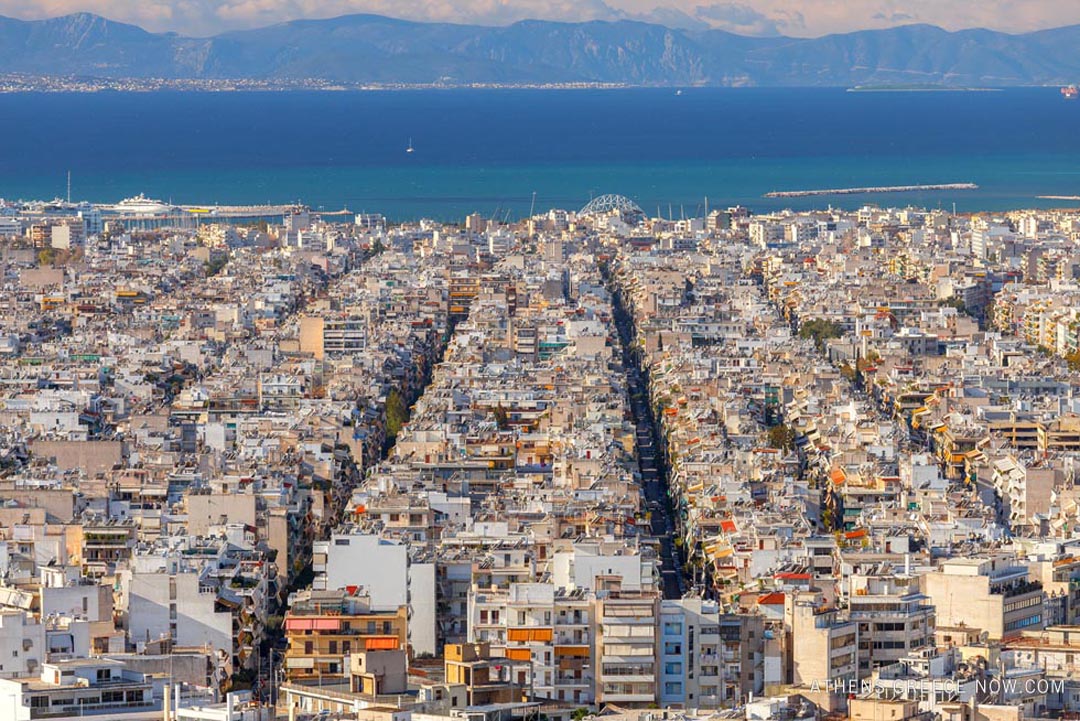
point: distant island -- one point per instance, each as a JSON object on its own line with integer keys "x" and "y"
{"x": 372, "y": 51}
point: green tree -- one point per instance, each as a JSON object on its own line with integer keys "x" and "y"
{"x": 215, "y": 264}
{"x": 954, "y": 302}
{"x": 1073, "y": 359}
{"x": 781, "y": 437}
{"x": 820, "y": 330}
{"x": 45, "y": 257}
{"x": 397, "y": 413}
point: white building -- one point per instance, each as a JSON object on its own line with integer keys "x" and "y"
{"x": 22, "y": 644}
{"x": 386, "y": 572}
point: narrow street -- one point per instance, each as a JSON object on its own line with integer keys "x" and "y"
{"x": 654, "y": 473}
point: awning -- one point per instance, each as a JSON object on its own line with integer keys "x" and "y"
{"x": 312, "y": 624}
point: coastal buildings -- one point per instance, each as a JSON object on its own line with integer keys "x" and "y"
{"x": 579, "y": 462}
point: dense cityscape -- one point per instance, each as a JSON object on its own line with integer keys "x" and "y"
{"x": 275, "y": 464}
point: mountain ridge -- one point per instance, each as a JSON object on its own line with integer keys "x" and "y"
{"x": 369, "y": 48}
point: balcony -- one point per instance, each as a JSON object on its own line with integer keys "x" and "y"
{"x": 616, "y": 698}
{"x": 1020, "y": 589}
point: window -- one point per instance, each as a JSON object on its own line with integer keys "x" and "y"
{"x": 673, "y": 688}
{"x": 341, "y": 541}
{"x": 112, "y": 697}
{"x": 673, "y": 669}
{"x": 1023, "y": 622}
{"x": 673, "y": 628}
{"x": 308, "y": 647}
{"x": 672, "y": 649}
{"x": 333, "y": 647}
{"x": 39, "y": 702}
{"x": 104, "y": 674}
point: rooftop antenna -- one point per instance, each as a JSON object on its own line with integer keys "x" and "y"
{"x": 669, "y": 213}
{"x": 69, "y": 187}
{"x": 706, "y": 206}
{"x": 532, "y": 206}
{"x": 682, "y": 212}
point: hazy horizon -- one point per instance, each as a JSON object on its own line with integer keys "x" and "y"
{"x": 794, "y": 18}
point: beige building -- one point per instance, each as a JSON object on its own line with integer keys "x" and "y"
{"x": 824, "y": 646}
{"x": 625, "y": 629}
{"x": 894, "y": 619}
{"x": 993, "y": 595}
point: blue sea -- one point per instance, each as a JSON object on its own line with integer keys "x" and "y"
{"x": 489, "y": 151}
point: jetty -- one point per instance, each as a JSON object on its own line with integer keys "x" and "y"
{"x": 874, "y": 189}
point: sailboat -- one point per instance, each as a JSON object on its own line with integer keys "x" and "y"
{"x": 410, "y": 148}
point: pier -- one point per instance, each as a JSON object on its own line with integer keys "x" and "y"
{"x": 192, "y": 216}
{"x": 875, "y": 189}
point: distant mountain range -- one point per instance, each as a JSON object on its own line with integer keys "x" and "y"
{"x": 375, "y": 49}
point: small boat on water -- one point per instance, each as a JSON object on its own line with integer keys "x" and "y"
{"x": 410, "y": 148}
{"x": 1070, "y": 92}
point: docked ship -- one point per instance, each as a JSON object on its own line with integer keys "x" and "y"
{"x": 141, "y": 205}
{"x": 1070, "y": 92}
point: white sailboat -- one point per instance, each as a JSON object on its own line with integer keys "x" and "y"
{"x": 410, "y": 148}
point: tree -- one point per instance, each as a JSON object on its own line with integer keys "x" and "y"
{"x": 820, "y": 330}
{"x": 502, "y": 418}
{"x": 1073, "y": 359}
{"x": 954, "y": 302}
{"x": 781, "y": 437}
{"x": 45, "y": 257}
{"x": 828, "y": 520}
{"x": 397, "y": 413}
{"x": 215, "y": 264}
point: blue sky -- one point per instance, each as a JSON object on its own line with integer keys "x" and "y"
{"x": 752, "y": 17}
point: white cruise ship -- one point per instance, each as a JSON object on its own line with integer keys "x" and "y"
{"x": 141, "y": 205}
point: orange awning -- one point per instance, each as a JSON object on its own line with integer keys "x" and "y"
{"x": 382, "y": 643}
